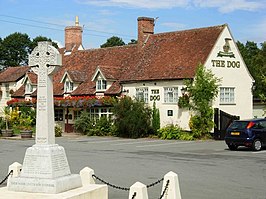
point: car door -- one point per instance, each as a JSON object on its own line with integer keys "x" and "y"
{"x": 263, "y": 131}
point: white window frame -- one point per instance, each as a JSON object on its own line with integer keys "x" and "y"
{"x": 28, "y": 87}
{"x": 170, "y": 94}
{"x": 68, "y": 86}
{"x": 142, "y": 94}
{"x": 97, "y": 113}
{"x": 7, "y": 90}
{"x": 227, "y": 95}
{"x": 101, "y": 85}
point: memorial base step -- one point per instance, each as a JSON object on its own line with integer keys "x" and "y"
{"x": 89, "y": 191}
{"x": 40, "y": 185}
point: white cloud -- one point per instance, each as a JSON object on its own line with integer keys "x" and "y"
{"x": 224, "y": 6}
{"x": 106, "y": 12}
{"x": 230, "y": 5}
{"x": 151, "y": 4}
{"x": 174, "y": 25}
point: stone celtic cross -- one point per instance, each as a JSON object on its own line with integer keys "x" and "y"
{"x": 44, "y": 60}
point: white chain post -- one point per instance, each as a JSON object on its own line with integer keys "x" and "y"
{"x": 173, "y": 190}
{"x": 140, "y": 190}
{"x": 16, "y": 168}
{"x": 86, "y": 176}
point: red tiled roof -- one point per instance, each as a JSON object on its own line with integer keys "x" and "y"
{"x": 173, "y": 55}
{"x": 165, "y": 56}
{"x": 111, "y": 72}
{"x": 115, "y": 89}
{"x": 13, "y": 74}
{"x": 33, "y": 77}
{"x": 20, "y": 92}
{"x": 87, "y": 61}
{"x": 77, "y": 76}
{"x": 86, "y": 88}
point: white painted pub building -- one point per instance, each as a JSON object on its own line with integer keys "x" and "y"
{"x": 154, "y": 69}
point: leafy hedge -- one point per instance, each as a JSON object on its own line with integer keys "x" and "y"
{"x": 171, "y": 131}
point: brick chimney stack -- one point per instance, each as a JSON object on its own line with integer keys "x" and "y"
{"x": 73, "y": 36}
{"x": 145, "y": 28}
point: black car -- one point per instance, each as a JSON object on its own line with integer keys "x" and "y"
{"x": 249, "y": 133}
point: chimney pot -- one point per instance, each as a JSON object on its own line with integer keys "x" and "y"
{"x": 73, "y": 36}
{"x": 145, "y": 29}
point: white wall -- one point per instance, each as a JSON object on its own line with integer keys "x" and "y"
{"x": 180, "y": 116}
{"x": 237, "y": 77}
{"x": 12, "y": 86}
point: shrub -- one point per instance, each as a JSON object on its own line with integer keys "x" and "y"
{"x": 169, "y": 132}
{"x": 201, "y": 91}
{"x": 200, "y": 126}
{"x": 132, "y": 118}
{"x": 155, "y": 118}
{"x": 101, "y": 128}
{"x": 186, "y": 135}
{"x": 58, "y": 130}
{"x": 83, "y": 123}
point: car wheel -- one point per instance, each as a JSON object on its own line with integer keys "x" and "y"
{"x": 232, "y": 147}
{"x": 257, "y": 145}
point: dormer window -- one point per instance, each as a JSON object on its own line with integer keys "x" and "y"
{"x": 28, "y": 88}
{"x": 101, "y": 84}
{"x": 7, "y": 90}
{"x": 68, "y": 87}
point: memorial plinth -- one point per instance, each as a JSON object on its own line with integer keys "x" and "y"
{"x": 45, "y": 167}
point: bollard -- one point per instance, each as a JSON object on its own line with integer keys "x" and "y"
{"x": 86, "y": 176}
{"x": 173, "y": 190}
{"x": 139, "y": 190}
{"x": 16, "y": 167}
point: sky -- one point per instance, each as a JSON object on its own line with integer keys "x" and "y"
{"x": 102, "y": 19}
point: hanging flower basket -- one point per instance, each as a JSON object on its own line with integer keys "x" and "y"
{"x": 84, "y": 101}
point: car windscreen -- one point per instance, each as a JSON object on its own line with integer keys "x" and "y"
{"x": 239, "y": 125}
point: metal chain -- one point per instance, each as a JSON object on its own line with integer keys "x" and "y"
{"x": 155, "y": 183}
{"x": 127, "y": 189}
{"x": 6, "y": 177}
{"x": 165, "y": 189}
{"x": 111, "y": 185}
{"x": 134, "y": 195}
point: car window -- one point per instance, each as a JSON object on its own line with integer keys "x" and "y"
{"x": 239, "y": 125}
{"x": 263, "y": 124}
{"x": 257, "y": 126}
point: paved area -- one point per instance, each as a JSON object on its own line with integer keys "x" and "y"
{"x": 206, "y": 169}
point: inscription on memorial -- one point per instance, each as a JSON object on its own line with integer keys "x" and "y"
{"x": 41, "y": 140}
{"x": 59, "y": 162}
{"x": 34, "y": 165}
{"x": 42, "y": 102}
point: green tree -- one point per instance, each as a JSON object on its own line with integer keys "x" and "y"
{"x": 83, "y": 123}
{"x": 255, "y": 59}
{"x": 155, "y": 118}
{"x": 132, "y": 118}
{"x": 132, "y": 41}
{"x": 1, "y": 54}
{"x": 113, "y": 41}
{"x": 15, "y": 49}
{"x": 202, "y": 91}
{"x": 37, "y": 39}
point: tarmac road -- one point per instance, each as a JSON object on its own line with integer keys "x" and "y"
{"x": 206, "y": 169}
